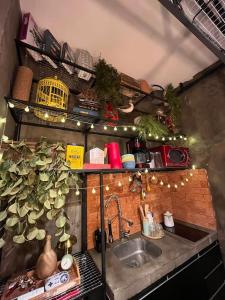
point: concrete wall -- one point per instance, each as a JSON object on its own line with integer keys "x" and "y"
{"x": 203, "y": 119}
{"x": 9, "y": 23}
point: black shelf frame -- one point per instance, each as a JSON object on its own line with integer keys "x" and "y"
{"x": 17, "y": 116}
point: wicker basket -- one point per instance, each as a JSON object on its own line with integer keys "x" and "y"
{"x": 53, "y": 93}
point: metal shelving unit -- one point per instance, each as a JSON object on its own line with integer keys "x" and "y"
{"x": 204, "y": 18}
{"x": 91, "y": 279}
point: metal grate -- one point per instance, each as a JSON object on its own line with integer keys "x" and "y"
{"x": 209, "y": 17}
{"x": 90, "y": 279}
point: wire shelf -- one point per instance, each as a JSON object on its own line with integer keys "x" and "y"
{"x": 209, "y": 17}
{"x": 90, "y": 279}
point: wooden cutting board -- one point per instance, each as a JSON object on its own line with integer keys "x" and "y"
{"x": 74, "y": 280}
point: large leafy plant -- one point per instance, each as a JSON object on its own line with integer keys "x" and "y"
{"x": 33, "y": 189}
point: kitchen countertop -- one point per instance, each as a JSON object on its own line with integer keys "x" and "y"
{"x": 124, "y": 282}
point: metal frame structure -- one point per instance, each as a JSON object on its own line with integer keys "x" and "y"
{"x": 173, "y": 6}
{"x": 17, "y": 116}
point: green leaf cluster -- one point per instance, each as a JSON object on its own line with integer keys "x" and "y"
{"x": 107, "y": 84}
{"x": 174, "y": 103}
{"x": 33, "y": 189}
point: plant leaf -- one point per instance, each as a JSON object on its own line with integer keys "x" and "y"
{"x": 11, "y": 221}
{"x": 41, "y": 163}
{"x": 30, "y": 220}
{"x": 58, "y": 232}
{"x": 60, "y": 221}
{"x": 3, "y": 215}
{"x": 41, "y": 234}
{"x": 47, "y": 204}
{"x": 59, "y": 202}
{"x": 13, "y": 168}
{"x": 64, "y": 237}
{"x": 13, "y": 208}
{"x": 36, "y": 215}
{"x": 63, "y": 176}
{"x": 44, "y": 177}
{"x": 2, "y": 243}
{"x": 19, "y": 239}
{"x": 32, "y": 233}
{"x": 22, "y": 211}
{"x": 15, "y": 190}
{"x": 19, "y": 228}
{"x": 52, "y": 193}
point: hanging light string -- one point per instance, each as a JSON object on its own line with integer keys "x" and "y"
{"x": 65, "y": 116}
{"x": 175, "y": 185}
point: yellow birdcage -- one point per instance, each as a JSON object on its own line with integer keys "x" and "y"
{"x": 53, "y": 93}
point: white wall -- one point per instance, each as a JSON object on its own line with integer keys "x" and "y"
{"x": 139, "y": 37}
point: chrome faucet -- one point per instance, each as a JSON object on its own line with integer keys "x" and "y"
{"x": 122, "y": 232}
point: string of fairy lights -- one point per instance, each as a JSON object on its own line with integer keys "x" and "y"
{"x": 129, "y": 127}
{"x": 175, "y": 185}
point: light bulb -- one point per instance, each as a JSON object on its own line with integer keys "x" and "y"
{"x": 149, "y": 134}
{"x": 185, "y": 138}
{"x": 186, "y": 179}
{"x": 119, "y": 183}
{"x": 163, "y": 139}
{"x": 156, "y": 137}
{"x": 63, "y": 120}
{"x": 2, "y": 120}
{"x": 170, "y": 138}
{"x": 93, "y": 191}
{"x": 193, "y": 167}
{"x": 46, "y": 115}
{"x": 153, "y": 177}
{"x": 115, "y": 128}
{"x": 139, "y": 173}
{"x": 125, "y": 128}
{"x": 130, "y": 178}
{"x": 174, "y": 138}
{"x": 11, "y": 105}
{"x": 161, "y": 182}
{"x": 5, "y": 138}
{"x": 168, "y": 185}
{"x": 146, "y": 171}
{"x": 181, "y": 136}
{"x": 175, "y": 185}
{"x": 191, "y": 174}
{"x": 77, "y": 192}
{"x": 107, "y": 188}
{"x": 133, "y": 128}
{"x": 26, "y": 109}
{"x": 92, "y": 126}
{"x": 78, "y": 123}
{"x": 105, "y": 127}
{"x": 182, "y": 183}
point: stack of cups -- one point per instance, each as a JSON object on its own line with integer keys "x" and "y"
{"x": 128, "y": 161}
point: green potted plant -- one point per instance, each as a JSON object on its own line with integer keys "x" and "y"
{"x": 107, "y": 84}
{"x": 33, "y": 189}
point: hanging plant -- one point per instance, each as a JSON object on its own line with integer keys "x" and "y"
{"x": 33, "y": 189}
{"x": 147, "y": 125}
{"x": 107, "y": 84}
{"x": 174, "y": 104}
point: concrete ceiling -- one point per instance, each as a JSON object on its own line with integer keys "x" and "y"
{"x": 138, "y": 37}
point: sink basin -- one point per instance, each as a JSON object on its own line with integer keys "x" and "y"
{"x": 136, "y": 252}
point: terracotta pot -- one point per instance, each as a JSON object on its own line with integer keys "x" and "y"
{"x": 47, "y": 261}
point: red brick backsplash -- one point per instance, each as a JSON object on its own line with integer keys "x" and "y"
{"x": 191, "y": 203}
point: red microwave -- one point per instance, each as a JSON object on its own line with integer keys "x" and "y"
{"x": 173, "y": 156}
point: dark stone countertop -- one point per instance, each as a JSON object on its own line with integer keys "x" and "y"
{"x": 124, "y": 282}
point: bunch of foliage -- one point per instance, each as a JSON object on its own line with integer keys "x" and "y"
{"x": 107, "y": 84}
{"x": 174, "y": 104}
{"x": 33, "y": 189}
{"x": 148, "y": 125}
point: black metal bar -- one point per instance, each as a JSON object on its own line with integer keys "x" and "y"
{"x": 50, "y": 126}
{"x": 59, "y": 59}
{"x": 17, "y": 130}
{"x": 18, "y": 53}
{"x": 84, "y": 214}
{"x": 174, "y": 9}
{"x": 103, "y": 241}
{"x": 116, "y": 171}
{"x": 85, "y": 141}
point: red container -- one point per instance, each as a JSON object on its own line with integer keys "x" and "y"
{"x": 113, "y": 152}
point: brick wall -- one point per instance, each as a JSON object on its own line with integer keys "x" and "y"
{"x": 191, "y": 203}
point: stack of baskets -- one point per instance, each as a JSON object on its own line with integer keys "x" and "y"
{"x": 128, "y": 161}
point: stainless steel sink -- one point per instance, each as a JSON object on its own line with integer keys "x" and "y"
{"x": 136, "y": 252}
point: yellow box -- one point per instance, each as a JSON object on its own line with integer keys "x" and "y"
{"x": 75, "y": 156}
